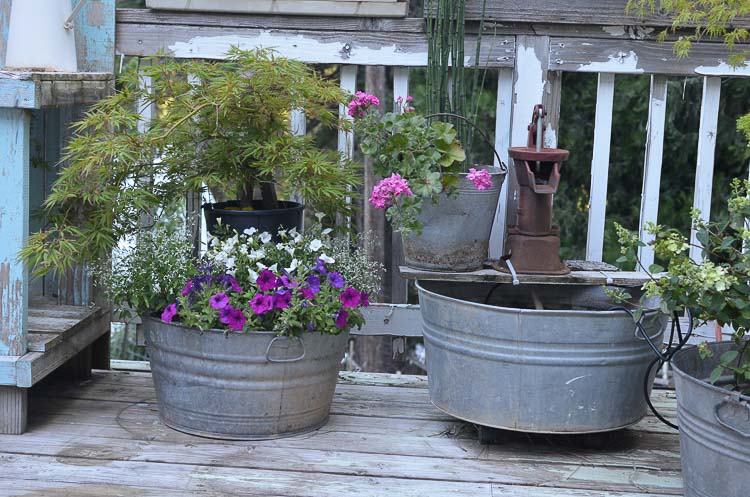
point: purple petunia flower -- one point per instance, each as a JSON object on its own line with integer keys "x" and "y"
{"x": 261, "y": 304}
{"x": 228, "y": 279}
{"x": 314, "y": 283}
{"x": 365, "y": 299}
{"x": 266, "y": 280}
{"x": 341, "y": 318}
{"x": 311, "y": 327}
{"x": 336, "y": 280}
{"x": 236, "y": 320}
{"x": 320, "y": 267}
{"x": 282, "y": 299}
{"x": 350, "y": 297}
{"x": 307, "y": 293}
{"x": 219, "y": 301}
{"x": 169, "y": 313}
{"x": 187, "y": 288}
{"x": 287, "y": 282}
{"x": 224, "y": 314}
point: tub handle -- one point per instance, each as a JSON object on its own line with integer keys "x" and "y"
{"x": 735, "y": 404}
{"x": 295, "y": 359}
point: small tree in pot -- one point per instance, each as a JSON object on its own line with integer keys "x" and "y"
{"x": 216, "y": 124}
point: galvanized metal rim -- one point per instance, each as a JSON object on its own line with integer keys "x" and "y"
{"x": 563, "y": 312}
{"x": 697, "y": 381}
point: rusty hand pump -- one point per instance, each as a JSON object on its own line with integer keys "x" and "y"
{"x": 534, "y": 242}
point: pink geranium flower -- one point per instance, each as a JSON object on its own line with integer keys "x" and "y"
{"x": 481, "y": 179}
{"x": 362, "y": 101}
{"x": 388, "y": 189}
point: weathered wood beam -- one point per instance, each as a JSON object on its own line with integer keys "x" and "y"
{"x": 640, "y": 57}
{"x": 599, "y": 12}
{"x": 382, "y": 8}
{"x": 332, "y": 46}
{"x": 34, "y": 90}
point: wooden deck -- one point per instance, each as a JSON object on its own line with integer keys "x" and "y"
{"x": 102, "y": 438}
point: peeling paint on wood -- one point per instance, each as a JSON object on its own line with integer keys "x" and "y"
{"x": 95, "y": 36}
{"x": 14, "y": 227}
{"x": 324, "y": 47}
{"x": 639, "y": 56}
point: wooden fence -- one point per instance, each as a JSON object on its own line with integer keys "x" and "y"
{"x": 529, "y": 43}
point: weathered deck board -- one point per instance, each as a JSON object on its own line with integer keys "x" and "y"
{"x": 103, "y": 437}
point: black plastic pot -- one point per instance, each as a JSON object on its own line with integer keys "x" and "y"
{"x": 288, "y": 215}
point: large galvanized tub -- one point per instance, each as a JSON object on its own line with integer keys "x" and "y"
{"x": 575, "y": 367}
{"x": 242, "y": 386}
{"x": 714, "y": 428}
{"x": 456, "y": 233}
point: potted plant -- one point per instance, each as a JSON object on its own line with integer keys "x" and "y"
{"x": 225, "y": 128}
{"x": 248, "y": 345}
{"x": 712, "y": 379}
{"x": 444, "y": 212}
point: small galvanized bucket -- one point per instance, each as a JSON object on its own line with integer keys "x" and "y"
{"x": 242, "y": 386}
{"x": 714, "y": 428}
{"x": 456, "y": 233}
{"x": 573, "y": 367}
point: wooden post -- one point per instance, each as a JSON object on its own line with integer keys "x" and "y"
{"x": 14, "y": 284}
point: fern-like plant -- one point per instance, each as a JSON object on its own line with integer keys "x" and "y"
{"x": 225, "y": 126}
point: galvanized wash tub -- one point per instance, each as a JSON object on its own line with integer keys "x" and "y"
{"x": 456, "y": 233}
{"x": 714, "y": 428}
{"x": 242, "y": 386}
{"x": 575, "y": 368}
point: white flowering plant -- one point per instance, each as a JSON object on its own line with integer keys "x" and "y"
{"x": 716, "y": 288}
{"x": 255, "y": 282}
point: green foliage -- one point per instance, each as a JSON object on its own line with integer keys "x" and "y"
{"x": 451, "y": 87}
{"x": 425, "y": 153}
{"x": 148, "y": 275}
{"x": 227, "y": 128}
{"x": 714, "y": 289}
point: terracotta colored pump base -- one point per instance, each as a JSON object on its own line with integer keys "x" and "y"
{"x": 535, "y": 254}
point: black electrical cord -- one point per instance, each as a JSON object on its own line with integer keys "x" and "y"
{"x": 661, "y": 357}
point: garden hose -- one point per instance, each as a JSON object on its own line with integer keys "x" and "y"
{"x": 661, "y": 357}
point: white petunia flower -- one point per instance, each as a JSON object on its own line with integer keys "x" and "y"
{"x": 290, "y": 250}
{"x": 294, "y": 265}
{"x": 257, "y": 254}
{"x": 320, "y": 216}
{"x": 265, "y": 237}
{"x": 253, "y": 275}
{"x": 315, "y": 245}
{"x": 274, "y": 268}
{"x": 326, "y": 259}
{"x": 327, "y": 231}
{"x": 261, "y": 266}
{"x": 243, "y": 249}
{"x": 250, "y": 231}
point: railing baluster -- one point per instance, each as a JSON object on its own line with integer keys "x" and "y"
{"x": 600, "y": 167}
{"x": 503, "y": 112}
{"x": 298, "y": 122}
{"x": 704, "y": 171}
{"x": 657, "y": 111}
{"x": 348, "y": 83}
{"x": 400, "y": 86}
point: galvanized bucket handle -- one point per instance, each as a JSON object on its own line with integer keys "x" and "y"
{"x": 732, "y": 401}
{"x": 485, "y": 137}
{"x": 295, "y": 359}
